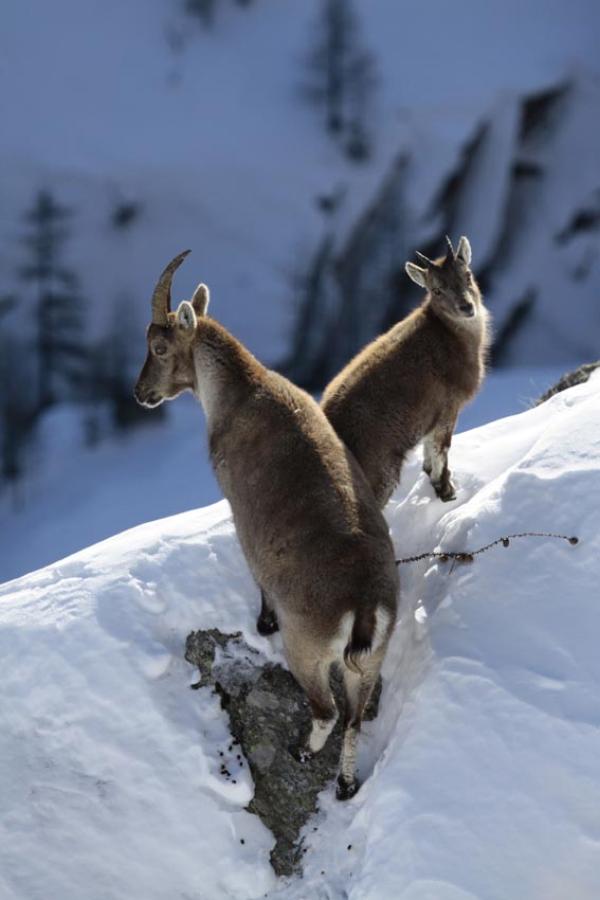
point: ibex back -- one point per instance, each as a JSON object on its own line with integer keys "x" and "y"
{"x": 307, "y": 521}
{"x": 411, "y": 383}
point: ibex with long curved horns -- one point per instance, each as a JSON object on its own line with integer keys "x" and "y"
{"x": 410, "y": 384}
{"x": 305, "y": 516}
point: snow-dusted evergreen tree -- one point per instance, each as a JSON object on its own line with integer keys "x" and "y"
{"x": 59, "y": 309}
{"x": 310, "y": 281}
{"x": 362, "y": 82}
{"x": 203, "y": 10}
{"x": 17, "y": 412}
{"x": 112, "y": 366}
{"x": 94, "y": 396}
{"x": 122, "y": 357}
{"x": 341, "y": 76}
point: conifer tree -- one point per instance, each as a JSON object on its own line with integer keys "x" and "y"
{"x": 58, "y": 303}
{"x": 341, "y": 76}
{"x": 17, "y": 413}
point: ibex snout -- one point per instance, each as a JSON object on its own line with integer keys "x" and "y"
{"x": 147, "y": 398}
{"x": 148, "y": 390}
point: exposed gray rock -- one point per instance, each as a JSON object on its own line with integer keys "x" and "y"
{"x": 268, "y": 713}
{"x": 577, "y": 376}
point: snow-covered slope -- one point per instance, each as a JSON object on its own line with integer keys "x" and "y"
{"x": 75, "y": 496}
{"x": 482, "y": 772}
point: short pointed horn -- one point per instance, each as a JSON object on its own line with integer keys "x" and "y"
{"x": 161, "y": 298}
{"x": 450, "y": 256}
{"x": 428, "y": 262}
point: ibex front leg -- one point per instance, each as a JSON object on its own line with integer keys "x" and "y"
{"x": 435, "y": 460}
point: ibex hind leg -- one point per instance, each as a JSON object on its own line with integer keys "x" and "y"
{"x": 312, "y": 675}
{"x": 385, "y": 481}
{"x": 358, "y": 690}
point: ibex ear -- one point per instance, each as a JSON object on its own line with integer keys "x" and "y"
{"x": 186, "y": 317}
{"x": 416, "y": 273}
{"x": 201, "y": 299}
{"x": 463, "y": 251}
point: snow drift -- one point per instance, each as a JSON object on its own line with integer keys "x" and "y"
{"x": 481, "y": 773}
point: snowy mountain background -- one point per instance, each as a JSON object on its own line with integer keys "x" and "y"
{"x": 158, "y": 130}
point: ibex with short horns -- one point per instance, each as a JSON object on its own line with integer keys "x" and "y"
{"x": 307, "y": 521}
{"x": 410, "y": 384}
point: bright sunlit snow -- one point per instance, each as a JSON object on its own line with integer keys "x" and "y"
{"x": 481, "y": 774}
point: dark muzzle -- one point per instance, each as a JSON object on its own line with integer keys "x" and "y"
{"x": 146, "y": 398}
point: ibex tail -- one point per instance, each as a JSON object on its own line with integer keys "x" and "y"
{"x": 368, "y": 633}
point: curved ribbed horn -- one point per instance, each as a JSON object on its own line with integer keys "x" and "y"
{"x": 428, "y": 262}
{"x": 450, "y": 256}
{"x": 161, "y": 298}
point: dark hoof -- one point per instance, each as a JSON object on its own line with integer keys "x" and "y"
{"x": 268, "y": 624}
{"x": 445, "y": 491}
{"x": 301, "y": 753}
{"x": 346, "y": 789}
{"x": 447, "y": 496}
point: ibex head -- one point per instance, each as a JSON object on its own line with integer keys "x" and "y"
{"x": 169, "y": 367}
{"x": 449, "y": 280}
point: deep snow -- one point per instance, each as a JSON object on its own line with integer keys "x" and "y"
{"x": 482, "y": 772}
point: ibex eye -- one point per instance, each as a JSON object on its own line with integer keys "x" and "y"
{"x": 160, "y": 350}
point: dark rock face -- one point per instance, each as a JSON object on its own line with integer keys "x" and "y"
{"x": 577, "y": 376}
{"x": 267, "y": 712}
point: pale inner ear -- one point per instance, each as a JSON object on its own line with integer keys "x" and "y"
{"x": 186, "y": 317}
{"x": 201, "y": 299}
{"x": 416, "y": 274}
{"x": 463, "y": 251}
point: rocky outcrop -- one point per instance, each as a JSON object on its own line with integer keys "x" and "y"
{"x": 570, "y": 379}
{"x": 267, "y": 712}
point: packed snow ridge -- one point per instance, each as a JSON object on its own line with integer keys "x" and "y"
{"x": 481, "y": 773}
